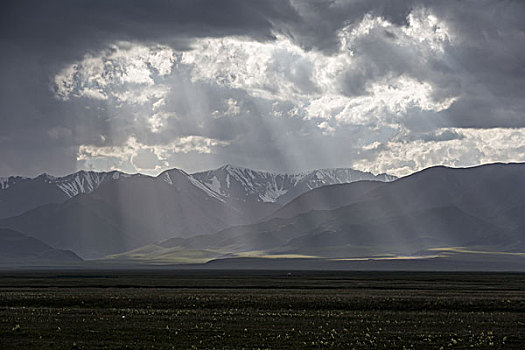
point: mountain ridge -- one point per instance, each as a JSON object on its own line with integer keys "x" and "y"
{"x": 438, "y": 207}
{"x": 19, "y": 194}
{"x": 275, "y": 187}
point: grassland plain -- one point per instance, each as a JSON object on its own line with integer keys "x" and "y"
{"x": 260, "y": 309}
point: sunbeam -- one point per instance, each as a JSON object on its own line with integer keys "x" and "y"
{"x": 262, "y": 174}
{"x": 330, "y": 131}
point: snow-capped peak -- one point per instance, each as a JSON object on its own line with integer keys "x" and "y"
{"x": 224, "y": 183}
{"x": 82, "y": 182}
{"x": 72, "y": 185}
{"x": 243, "y": 183}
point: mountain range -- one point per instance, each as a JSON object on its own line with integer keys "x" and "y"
{"x": 435, "y": 212}
{"x": 96, "y": 214}
{"x": 231, "y": 214}
{"x": 247, "y": 184}
{"x": 19, "y": 194}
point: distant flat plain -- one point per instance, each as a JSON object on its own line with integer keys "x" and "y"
{"x": 200, "y": 309}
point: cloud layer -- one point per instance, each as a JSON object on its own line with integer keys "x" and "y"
{"x": 384, "y": 87}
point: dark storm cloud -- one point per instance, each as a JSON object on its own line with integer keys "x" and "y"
{"x": 322, "y": 19}
{"x": 487, "y": 67}
{"x": 483, "y": 70}
{"x": 88, "y": 24}
{"x": 38, "y": 37}
{"x": 491, "y": 58}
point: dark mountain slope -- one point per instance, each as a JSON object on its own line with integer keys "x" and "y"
{"x": 489, "y": 190}
{"x": 19, "y": 194}
{"x": 28, "y": 194}
{"x": 124, "y": 214}
{"x": 437, "y": 207}
{"x": 17, "y": 248}
{"x": 327, "y": 197}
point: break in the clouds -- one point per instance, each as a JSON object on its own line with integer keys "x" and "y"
{"x": 383, "y": 86}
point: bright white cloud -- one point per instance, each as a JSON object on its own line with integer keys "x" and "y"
{"x": 385, "y": 102}
{"x": 278, "y": 70}
{"x": 157, "y": 121}
{"x": 138, "y": 154}
{"x": 125, "y": 72}
{"x": 268, "y": 70}
{"x": 282, "y": 70}
{"x": 400, "y": 157}
{"x": 141, "y": 95}
{"x": 233, "y": 107}
{"x": 326, "y": 128}
{"x": 357, "y": 86}
{"x": 428, "y": 29}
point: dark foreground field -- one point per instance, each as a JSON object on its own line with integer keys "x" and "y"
{"x": 233, "y": 310}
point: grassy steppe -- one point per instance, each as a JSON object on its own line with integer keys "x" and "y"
{"x": 233, "y": 310}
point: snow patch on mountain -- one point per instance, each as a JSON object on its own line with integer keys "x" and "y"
{"x": 242, "y": 183}
{"x": 224, "y": 183}
{"x": 72, "y": 185}
{"x": 85, "y": 181}
{"x": 214, "y": 185}
{"x": 203, "y": 187}
{"x": 180, "y": 179}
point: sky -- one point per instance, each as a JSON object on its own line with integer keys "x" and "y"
{"x": 143, "y": 86}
